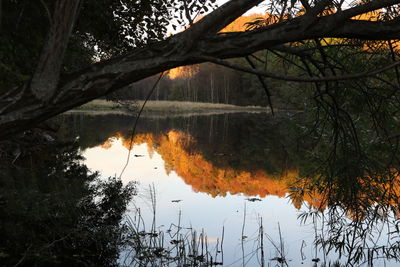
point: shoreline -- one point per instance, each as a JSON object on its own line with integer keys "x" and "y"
{"x": 166, "y": 108}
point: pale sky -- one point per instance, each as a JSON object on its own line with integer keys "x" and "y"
{"x": 258, "y": 9}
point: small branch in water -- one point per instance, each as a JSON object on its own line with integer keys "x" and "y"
{"x": 262, "y": 242}
{"x": 243, "y": 236}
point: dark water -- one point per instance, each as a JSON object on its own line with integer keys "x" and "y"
{"x": 54, "y": 212}
{"x": 265, "y": 190}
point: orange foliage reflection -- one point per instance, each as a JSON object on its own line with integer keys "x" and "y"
{"x": 176, "y": 149}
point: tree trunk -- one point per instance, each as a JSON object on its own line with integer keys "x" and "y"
{"x": 36, "y": 101}
{"x": 45, "y": 79}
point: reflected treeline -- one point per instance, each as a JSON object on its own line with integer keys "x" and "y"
{"x": 350, "y": 182}
{"x": 217, "y": 154}
{"x": 237, "y": 154}
{"x": 54, "y": 212}
{"x": 241, "y": 141}
{"x": 178, "y": 153}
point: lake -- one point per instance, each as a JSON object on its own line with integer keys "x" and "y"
{"x": 227, "y": 189}
{"x": 232, "y": 178}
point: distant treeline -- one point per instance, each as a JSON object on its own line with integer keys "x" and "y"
{"x": 199, "y": 83}
{"x": 211, "y": 83}
{"x": 215, "y": 84}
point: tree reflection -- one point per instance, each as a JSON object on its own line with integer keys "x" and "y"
{"x": 53, "y": 211}
{"x": 347, "y": 175}
{"x": 357, "y": 219}
{"x": 355, "y": 170}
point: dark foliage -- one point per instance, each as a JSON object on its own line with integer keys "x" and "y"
{"x": 54, "y": 212}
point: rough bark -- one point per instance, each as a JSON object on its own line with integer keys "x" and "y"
{"x": 20, "y": 109}
{"x": 45, "y": 79}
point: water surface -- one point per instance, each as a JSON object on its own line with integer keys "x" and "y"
{"x": 228, "y": 175}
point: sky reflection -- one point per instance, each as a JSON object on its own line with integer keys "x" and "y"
{"x": 200, "y": 210}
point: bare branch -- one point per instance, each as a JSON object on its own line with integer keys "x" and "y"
{"x": 287, "y": 59}
{"x": 263, "y": 84}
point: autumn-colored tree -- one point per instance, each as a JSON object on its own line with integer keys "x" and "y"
{"x": 49, "y": 88}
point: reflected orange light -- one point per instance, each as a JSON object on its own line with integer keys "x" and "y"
{"x": 176, "y": 150}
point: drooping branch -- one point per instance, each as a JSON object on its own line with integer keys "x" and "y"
{"x": 19, "y": 110}
{"x": 263, "y": 84}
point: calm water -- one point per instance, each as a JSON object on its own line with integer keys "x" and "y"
{"x": 228, "y": 175}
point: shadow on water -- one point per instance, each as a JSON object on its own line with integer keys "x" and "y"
{"x": 243, "y": 141}
{"x": 54, "y": 212}
{"x": 351, "y": 190}
{"x": 347, "y": 190}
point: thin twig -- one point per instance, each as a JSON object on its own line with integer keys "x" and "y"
{"x": 263, "y": 84}
{"x": 136, "y": 121}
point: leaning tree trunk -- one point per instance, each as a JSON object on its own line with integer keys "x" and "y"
{"x": 47, "y": 95}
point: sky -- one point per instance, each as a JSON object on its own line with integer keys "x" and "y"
{"x": 258, "y": 9}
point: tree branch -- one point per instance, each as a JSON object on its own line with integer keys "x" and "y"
{"x": 318, "y": 7}
{"x": 299, "y": 79}
{"x": 221, "y": 17}
{"x": 365, "y": 8}
{"x": 46, "y": 96}
{"x": 305, "y": 4}
{"x": 263, "y": 84}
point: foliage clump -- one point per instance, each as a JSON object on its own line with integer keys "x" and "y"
{"x": 54, "y": 211}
